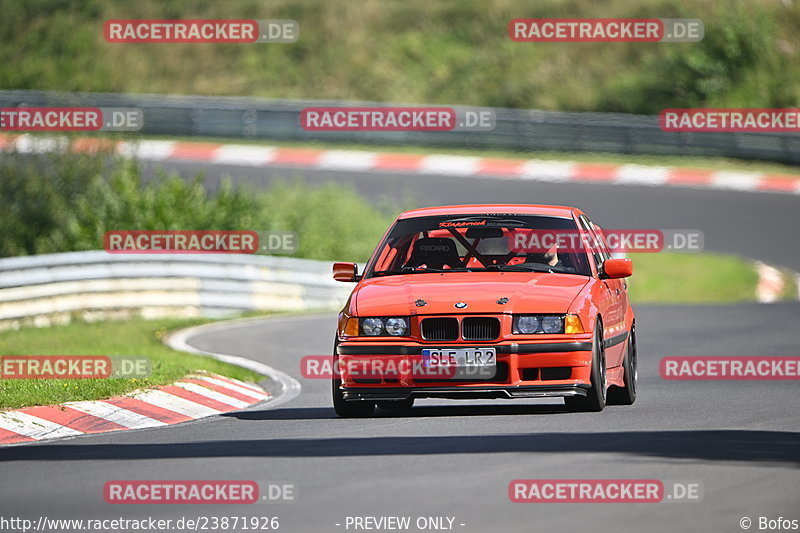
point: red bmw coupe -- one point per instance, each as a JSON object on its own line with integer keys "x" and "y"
{"x": 474, "y": 301}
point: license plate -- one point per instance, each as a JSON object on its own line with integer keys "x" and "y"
{"x": 460, "y": 357}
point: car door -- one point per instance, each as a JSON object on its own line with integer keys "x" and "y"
{"x": 615, "y": 298}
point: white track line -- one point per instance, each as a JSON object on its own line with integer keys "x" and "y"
{"x": 290, "y": 387}
{"x": 30, "y": 144}
{"x": 212, "y": 394}
{"x": 149, "y": 150}
{"x": 642, "y": 175}
{"x": 249, "y": 392}
{"x": 770, "y": 283}
{"x": 548, "y": 170}
{"x": 174, "y": 403}
{"x": 115, "y": 414}
{"x": 347, "y": 160}
{"x": 242, "y": 154}
{"x": 737, "y": 181}
{"x": 244, "y": 385}
{"x": 34, "y": 427}
{"x": 451, "y": 165}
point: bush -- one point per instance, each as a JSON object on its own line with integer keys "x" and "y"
{"x": 739, "y": 63}
{"x": 66, "y": 202}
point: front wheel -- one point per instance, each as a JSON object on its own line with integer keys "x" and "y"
{"x": 354, "y": 409}
{"x": 595, "y": 399}
{"x": 343, "y": 408}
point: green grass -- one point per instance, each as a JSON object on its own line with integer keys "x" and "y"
{"x": 137, "y": 337}
{"x": 692, "y": 278}
{"x": 416, "y": 51}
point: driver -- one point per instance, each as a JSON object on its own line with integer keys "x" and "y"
{"x": 549, "y": 258}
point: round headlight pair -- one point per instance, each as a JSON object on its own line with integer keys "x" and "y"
{"x": 376, "y": 326}
{"x": 528, "y": 325}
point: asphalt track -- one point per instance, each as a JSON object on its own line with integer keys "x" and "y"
{"x": 738, "y": 440}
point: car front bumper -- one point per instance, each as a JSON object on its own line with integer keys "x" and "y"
{"x": 463, "y": 392}
{"x": 524, "y": 370}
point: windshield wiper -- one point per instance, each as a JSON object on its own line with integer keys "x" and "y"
{"x": 412, "y": 270}
{"x": 519, "y": 268}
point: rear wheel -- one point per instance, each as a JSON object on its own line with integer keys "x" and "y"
{"x": 396, "y": 404}
{"x": 595, "y": 399}
{"x": 627, "y": 395}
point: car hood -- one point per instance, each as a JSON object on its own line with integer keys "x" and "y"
{"x": 526, "y": 292}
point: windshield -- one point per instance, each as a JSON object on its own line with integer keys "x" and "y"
{"x": 473, "y": 243}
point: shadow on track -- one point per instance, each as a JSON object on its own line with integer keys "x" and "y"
{"x": 776, "y": 447}
{"x": 323, "y": 413}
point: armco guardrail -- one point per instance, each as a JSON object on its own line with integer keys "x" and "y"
{"x": 53, "y": 288}
{"x": 516, "y": 129}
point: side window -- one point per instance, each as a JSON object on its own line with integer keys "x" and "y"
{"x": 604, "y": 251}
{"x": 597, "y": 251}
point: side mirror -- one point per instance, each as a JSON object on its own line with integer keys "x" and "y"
{"x": 345, "y": 272}
{"x": 617, "y": 268}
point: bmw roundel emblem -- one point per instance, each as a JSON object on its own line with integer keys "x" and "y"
{"x": 461, "y": 305}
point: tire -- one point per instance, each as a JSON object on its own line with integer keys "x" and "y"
{"x": 595, "y": 399}
{"x": 343, "y": 408}
{"x": 630, "y": 366}
{"x": 396, "y": 404}
{"x": 350, "y": 409}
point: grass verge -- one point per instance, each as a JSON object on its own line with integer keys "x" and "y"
{"x": 692, "y": 278}
{"x": 136, "y": 337}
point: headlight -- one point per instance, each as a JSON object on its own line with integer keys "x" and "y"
{"x": 537, "y": 324}
{"x": 372, "y": 326}
{"x": 526, "y": 324}
{"x": 553, "y": 324}
{"x": 394, "y": 326}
